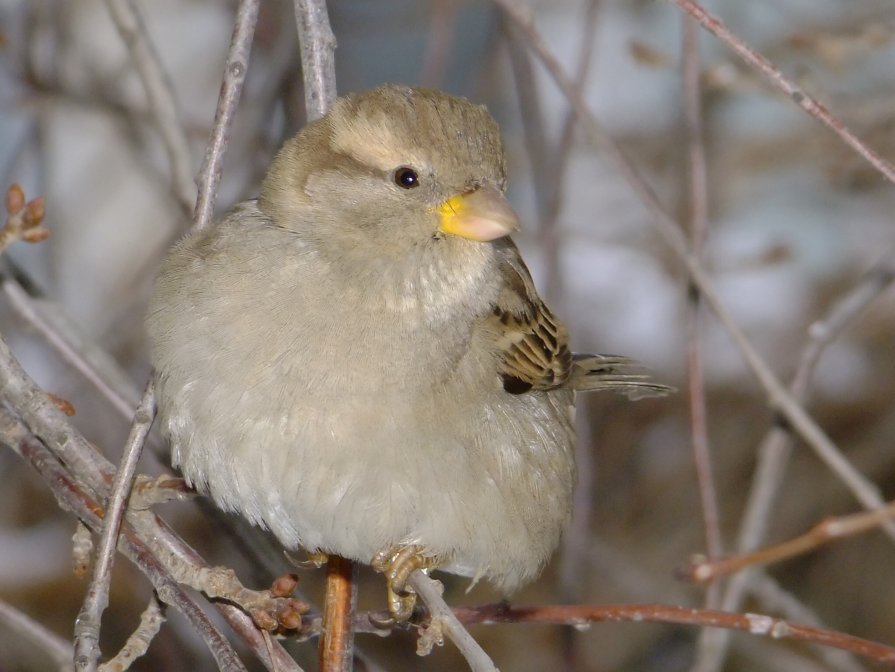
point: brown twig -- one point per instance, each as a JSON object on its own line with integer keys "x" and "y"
{"x": 778, "y": 397}
{"x": 715, "y": 26}
{"x": 755, "y": 624}
{"x": 87, "y": 625}
{"x": 340, "y": 604}
{"x": 698, "y": 190}
{"x": 235, "y": 70}
{"x": 697, "y": 178}
{"x": 830, "y": 529}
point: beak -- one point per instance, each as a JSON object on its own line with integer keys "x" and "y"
{"x": 482, "y": 215}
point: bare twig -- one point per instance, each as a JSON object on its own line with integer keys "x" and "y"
{"x": 87, "y": 625}
{"x": 775, "y": 449}
{"x": 444, "y": 619}
{"x": 138, "y": 643}
{"x": 159, "y": 95}
{"x": 89, "y": 468}
{"x": 755, "y": 624}
{"x": 340, "y": 604}
{"x": 715, "y": 26}
{"x": 550, "y": 224}
{"x": 72, "y": 497}
{"x": 318, "y": 63}
{"x": 231, "y": 89}
{"x": 23, "y": 627}
{"x": 68, "y": 340}
{"x": 698, "y": 181}
{"x": 830, "y": 529}
{"x": 864, "y": 490}
{"x": 50, "y": 424}
{"x": 691, "y": 65}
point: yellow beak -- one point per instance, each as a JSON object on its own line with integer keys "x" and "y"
{"x": 482, "y": 215}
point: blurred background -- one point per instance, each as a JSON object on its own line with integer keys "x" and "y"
{"x": 796, "y": 219}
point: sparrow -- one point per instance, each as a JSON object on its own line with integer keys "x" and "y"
{"x": 359, "y": 361}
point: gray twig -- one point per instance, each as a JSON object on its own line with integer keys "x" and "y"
{"x": 318, "y": 62}
{"x": 72, "y": 497}
{"x": 443, "y": 617}
{"x": 138, "y": 643}
{"x": 21, "y": 625}
{"x": 87, "y": 625}
{"x": 231, "y": 89}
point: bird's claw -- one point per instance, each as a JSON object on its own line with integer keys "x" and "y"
{"x": 398, "y": 565}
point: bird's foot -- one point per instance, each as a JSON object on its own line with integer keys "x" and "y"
{"x": 397, "y": 565}
{"x": 313, "y": 560}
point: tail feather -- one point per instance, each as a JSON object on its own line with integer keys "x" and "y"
{"x": 615, "y": 373}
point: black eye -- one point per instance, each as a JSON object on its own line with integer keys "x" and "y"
{"x": 406, "y": 178}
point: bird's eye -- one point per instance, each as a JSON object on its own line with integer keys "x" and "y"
{"x": 406, "y": 178}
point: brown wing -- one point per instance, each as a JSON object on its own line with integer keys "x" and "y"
{"x": 532, "y": 344}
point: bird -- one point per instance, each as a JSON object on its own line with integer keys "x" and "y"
{"x": 358, "y": 359}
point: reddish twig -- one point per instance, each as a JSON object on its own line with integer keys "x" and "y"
{"x": 340, "y": 603}
{"x": 828, "y": 530}
{"x": 756, "y": 624}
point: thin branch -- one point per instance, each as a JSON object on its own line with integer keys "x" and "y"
{"x": 159, "y": 95}
{"x": 45, "y": 419}
{"x": 755, "y": 624}
{"x": 318, "y": 63}
{"x": 87, "y": 625}
{"x": 697, "y": 178}
{"x": 72, "y": 497}
{"x": 698, "y": 189}
{"x": 21, "y": 626}
{"x": 550, "y": 222}
{"x": 340, "y": 604}
{"x": 445, "y": 621}
{"x": 864, "y": 490}
{"x": 235, "y": 69}
{"x": 138, "y": 643}
{"x": 89, "y": 468}
{"x": 69, "y": 342}
{"x": 826, "y": 531}
{"x": 715, "y": 26}
{"x": 775, "y": 449}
